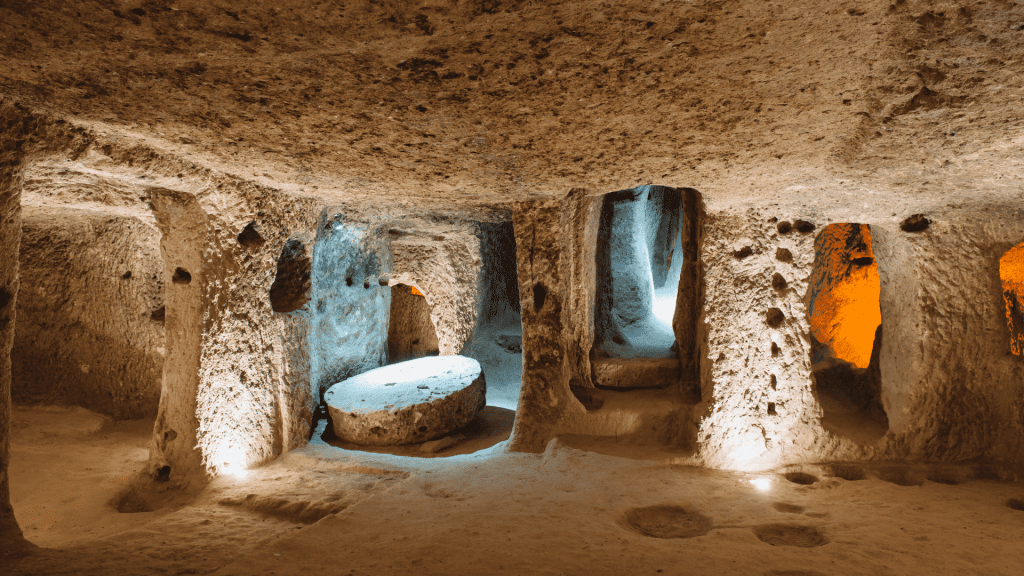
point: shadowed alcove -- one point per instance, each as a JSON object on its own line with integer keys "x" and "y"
{"x": 1011, "y": 275}
{"x": 846, "y": 332}
{"x": 411, "y": 333}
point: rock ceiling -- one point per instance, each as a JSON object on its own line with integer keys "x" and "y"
{"x": 484, "y": 101}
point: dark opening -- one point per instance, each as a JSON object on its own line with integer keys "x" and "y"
{"x": 540, "y": 294}
{"x": 291, "y": 288}
{"x": 846, "y": 332}
{"x": 915, "y": 223}
{"x": 181, "y": 276}
{"x": 411, "y": 332}
{"x": 250, "y": 237}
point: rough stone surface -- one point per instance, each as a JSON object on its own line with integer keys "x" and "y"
{"x": 444, "y": 263}
{"x": 904, "y": 108}
{"x": 11, "y": 161}
{"x": 636, "y": 372}
{"x": 411, "y": 334}
{"x": 92, "y": 310}
{"x": 412, "y": 401}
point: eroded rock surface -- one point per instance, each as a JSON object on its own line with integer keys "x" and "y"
{"x": 407, "y": 402}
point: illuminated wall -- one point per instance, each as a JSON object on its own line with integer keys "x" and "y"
{"x": 639, "y": 258}
{"x": 1011, "y": 275}
{"x": 844, "y": 291}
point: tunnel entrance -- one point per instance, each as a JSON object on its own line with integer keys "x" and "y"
{"x": 846, "y": 332}
{"x": 1011, "y": 276}
{"x": 639, "y": 261}
{"x": 411, "y": 332}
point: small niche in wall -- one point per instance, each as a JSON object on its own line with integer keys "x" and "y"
{"x": 846, "y": 332}
{"x": 293, "y": 280}
{"x": 639, "y": 261}
{"x": 1011, "y": 276}
{"x": 411, "y": 332}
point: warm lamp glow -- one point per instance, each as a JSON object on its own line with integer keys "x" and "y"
{"x": 844, "y": 308}
{"x": 231, "y": 461}
{"x": 416, "y": 292}
{"x": 1011, "y": 273}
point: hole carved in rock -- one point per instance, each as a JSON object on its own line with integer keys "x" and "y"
{"x": 667, "y": 521}
{"x": 181, "y": 276}
{"x": 293, "y": 282}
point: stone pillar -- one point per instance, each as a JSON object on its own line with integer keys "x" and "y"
{"x": 185, "y": 231}
{"x": 757, "y": 405}
{"x": 238, "y": 377}
{"x": 545, "y": 393}
{"x": 11, "y": 160}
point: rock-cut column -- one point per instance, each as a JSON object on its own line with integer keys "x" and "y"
{"x": 11, "y": 158}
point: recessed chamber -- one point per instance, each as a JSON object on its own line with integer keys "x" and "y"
{"x": 846, "y": 332}
{"x": 1011, "y": 275}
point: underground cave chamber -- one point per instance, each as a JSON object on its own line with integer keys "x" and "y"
{"x": 846, "y": 331}
{"x": 627, "y": 306}
{"x": 359, "y": 297}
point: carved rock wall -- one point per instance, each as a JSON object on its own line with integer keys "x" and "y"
{"x": 92, "y": 312}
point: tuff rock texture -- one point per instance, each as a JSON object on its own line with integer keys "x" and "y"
{"x": 413, "y": 143}
{"x": 413, "y": 401}
{"x": 92, "y": 309}
{"x": 411, "y": 333}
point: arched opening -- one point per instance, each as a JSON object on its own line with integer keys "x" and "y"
{"x": 450, "y": 314}
{"x": 1011, "y": 276}
{"x": 846, "y": 332}
{"x": 411, "y": 332}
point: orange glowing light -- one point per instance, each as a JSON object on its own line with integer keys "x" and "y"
{"x": 416, "y": 292}
{"x": 1011, "y": 273}
{"x": 844, "y": 292}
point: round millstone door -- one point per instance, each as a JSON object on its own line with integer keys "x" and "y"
{"x": 407, "y": 402}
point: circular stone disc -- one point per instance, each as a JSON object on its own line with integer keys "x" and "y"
{"x": 408, "y": 402}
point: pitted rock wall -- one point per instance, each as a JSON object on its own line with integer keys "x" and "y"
{"x": 12, "y": 157}
{"x": 743, "y": 250}
{"x": 351, "y": 301}
{"x": 92, "y": 312}
{"x": 411, "y": 333}
{"x": 950, "y": 386}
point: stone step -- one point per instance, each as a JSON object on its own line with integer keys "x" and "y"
{"x": 657, "y": 416}
{"x": 635, "y": 372}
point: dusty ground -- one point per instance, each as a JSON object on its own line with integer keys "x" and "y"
{"x": 571, "y": 510}
{"x": 491, "y": 100}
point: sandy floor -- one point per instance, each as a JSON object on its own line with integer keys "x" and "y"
{"x": 571, "y": 510}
